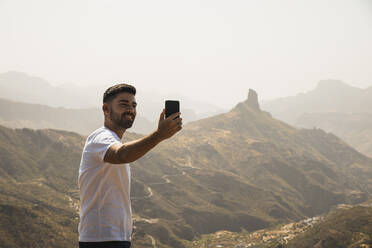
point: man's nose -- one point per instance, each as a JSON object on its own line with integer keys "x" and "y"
{"x": 131, "y": 110}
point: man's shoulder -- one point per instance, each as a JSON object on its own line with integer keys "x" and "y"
{"x": 101, "y": 133}
{"x": 97, "y": 131}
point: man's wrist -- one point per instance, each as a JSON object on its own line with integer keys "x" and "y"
{"x": 157, "y": 137}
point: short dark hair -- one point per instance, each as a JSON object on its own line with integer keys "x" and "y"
{"x": 111, "y": 92}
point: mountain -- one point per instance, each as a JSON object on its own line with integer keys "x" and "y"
{"x": 334, "y": 107}
{"x": 328, "y": 96}
{"x": 344, "y": 228}
{"x": 21, "y": 87}
{"x": 38, "y": 196}
{"x": 37, "y": 116}
{"x": 277, "y": 157}
{"x": 353, "y": 128}
{"x": 241, "y": 170}
{"x": 36, "y": 209}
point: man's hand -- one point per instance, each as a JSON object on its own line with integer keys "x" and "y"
{"x": 167, "y": 127}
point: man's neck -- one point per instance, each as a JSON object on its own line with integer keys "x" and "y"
{"x": 118, "y": 130}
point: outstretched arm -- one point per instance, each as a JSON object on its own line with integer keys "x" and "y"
{"x": 131, "y": 151}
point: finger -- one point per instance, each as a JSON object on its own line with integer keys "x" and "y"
{"x": 178, "y": 121}
{"x": 176, "y": 129}
{"x": 173, "y": 116}
{"x": 162, "y": 115}
{"x": 175, "y": 123}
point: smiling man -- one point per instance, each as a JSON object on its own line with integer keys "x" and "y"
{"x": 104, "y": 174}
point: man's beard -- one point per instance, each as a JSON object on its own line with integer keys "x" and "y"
{"x": 121, "y": 121}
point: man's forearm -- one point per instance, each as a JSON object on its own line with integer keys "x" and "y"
{"x": 133, "y": 150}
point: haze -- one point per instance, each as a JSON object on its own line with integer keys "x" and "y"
{"x": 211, "y": 51}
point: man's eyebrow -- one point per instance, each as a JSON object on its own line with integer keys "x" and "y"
{"x": 123, "y": 100}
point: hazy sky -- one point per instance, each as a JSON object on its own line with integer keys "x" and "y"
{"x": 213, "y": 50}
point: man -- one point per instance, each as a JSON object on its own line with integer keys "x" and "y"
{"x": 104, "y": 174}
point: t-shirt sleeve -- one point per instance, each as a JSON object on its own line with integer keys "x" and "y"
{"x": 101, "y": 143}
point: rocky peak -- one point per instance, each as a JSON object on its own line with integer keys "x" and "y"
{"x": 252, "y": 100}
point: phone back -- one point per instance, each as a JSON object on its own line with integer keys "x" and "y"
{"x": 171, "y": 107}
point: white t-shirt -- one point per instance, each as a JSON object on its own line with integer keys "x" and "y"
{"x": 105, "y": 207}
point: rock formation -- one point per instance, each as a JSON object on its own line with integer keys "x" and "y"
{"x": 252, "y": 100}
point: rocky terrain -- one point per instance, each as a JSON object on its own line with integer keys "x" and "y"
{"x": 299, "y": 234}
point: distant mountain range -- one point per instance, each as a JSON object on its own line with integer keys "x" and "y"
{"x": 334, "y": 107}
{"x": 328, "y": 96}
{"x": 21, "y": 87}
{"x": 37, "y": 116}
{"x": 354, "y": 128}
{"x": 238, "y": 170}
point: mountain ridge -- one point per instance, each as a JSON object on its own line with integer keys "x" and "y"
{"x": 328, "y": 96}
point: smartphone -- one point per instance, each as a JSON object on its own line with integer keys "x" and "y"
{"x": 171, "y": 107}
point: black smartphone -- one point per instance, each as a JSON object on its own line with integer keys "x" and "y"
{"x": 171, "y": 107}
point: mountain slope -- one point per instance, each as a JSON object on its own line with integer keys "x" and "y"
{"x": 354, "y": 128}
{"x": 343, "y": 228}
{"x": 35, "y": 188}
{"x": 39, "y": 179}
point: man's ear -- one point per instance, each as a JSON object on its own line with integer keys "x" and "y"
{"x": 105, "y": 109}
